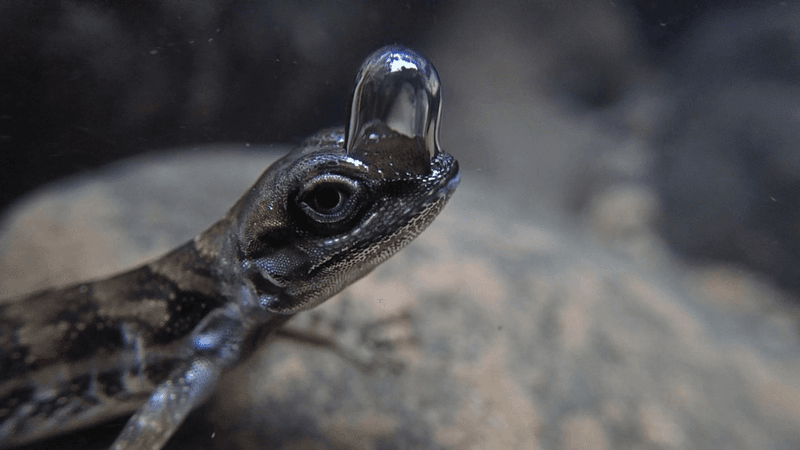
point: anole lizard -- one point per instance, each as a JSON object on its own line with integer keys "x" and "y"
{"x": 153, "y": 341}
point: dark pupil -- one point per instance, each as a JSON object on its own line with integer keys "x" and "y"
{"x": 326, "y": 198}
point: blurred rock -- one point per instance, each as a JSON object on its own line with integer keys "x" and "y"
{"x": 512, "y": 331}
{"x": 623, "y": 217}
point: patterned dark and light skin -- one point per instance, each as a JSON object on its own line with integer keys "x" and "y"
{"x": 153, "y": 341}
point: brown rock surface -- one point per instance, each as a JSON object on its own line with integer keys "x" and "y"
{"x": 512, "y": 331}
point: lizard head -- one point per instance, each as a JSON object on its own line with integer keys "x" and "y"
{"x": 344, "y": 201}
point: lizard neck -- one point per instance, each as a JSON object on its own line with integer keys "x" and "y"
{"x": 218, "y": 248}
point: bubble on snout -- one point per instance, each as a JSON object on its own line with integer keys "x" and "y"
{"x": 395, "y": 111}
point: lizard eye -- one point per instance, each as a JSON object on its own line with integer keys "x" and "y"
{"x": 330, "y": 199}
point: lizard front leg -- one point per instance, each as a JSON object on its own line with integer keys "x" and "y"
{"x": 155, "y": 422}
{"x": 215, "y": 345}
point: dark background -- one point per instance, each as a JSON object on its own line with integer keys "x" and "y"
{"x": 83, "y": 83}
